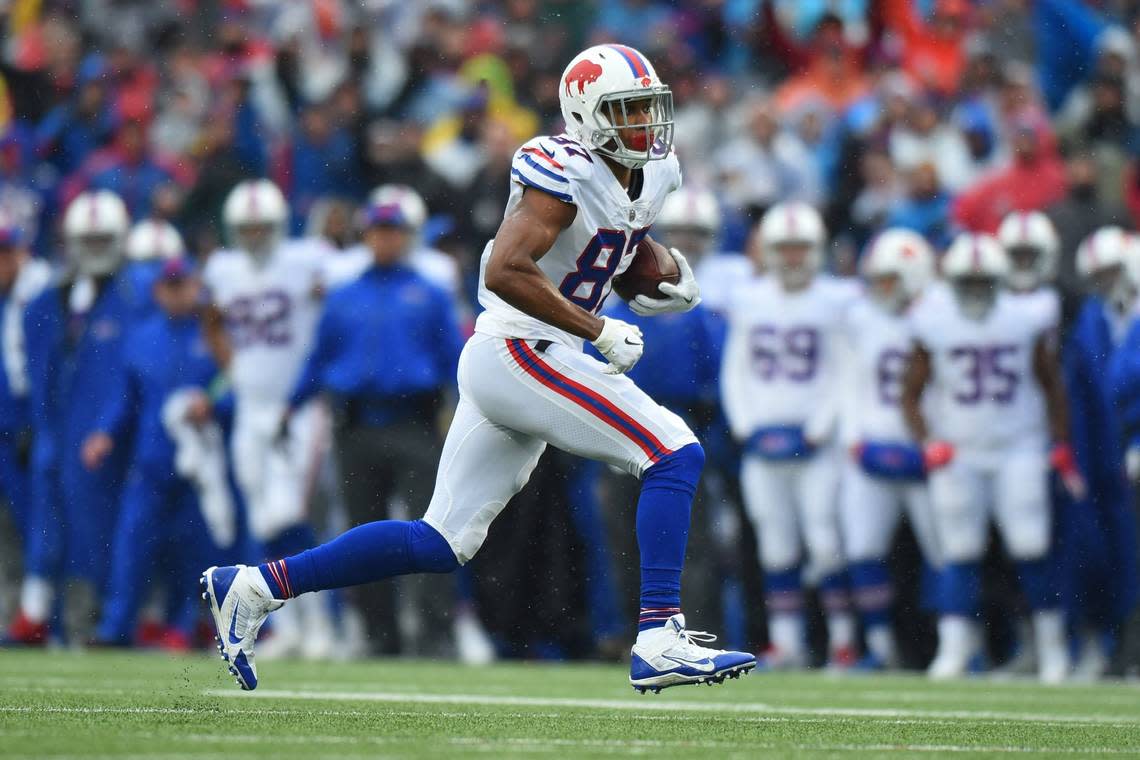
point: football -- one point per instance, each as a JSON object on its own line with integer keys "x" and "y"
{"x": 651, "y": 266}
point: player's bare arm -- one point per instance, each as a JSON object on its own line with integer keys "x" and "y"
{"x": 915, "y": 379}
{"x": 526, "y": 234}
{"x": 1047, "y": 370}
{"x": 217, "y": 341}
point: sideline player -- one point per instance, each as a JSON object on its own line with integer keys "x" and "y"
{"x": 580, "y": 203}
{"x": 780, "y": 388}
{"x": 266, "y": 297}
{"x": 1099, "y": 356}
{"x": 884, "y": 473}
{"x": 992, "y": 368}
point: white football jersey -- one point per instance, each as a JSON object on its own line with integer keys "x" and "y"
{"x": 783, "y": 356}
{"x": 596, "y": 247}
{"x": 880, "y": 343}
{"x": 983, "y": 391}
{"x": 271, "y": 313}
{"x": 1044, "y": 302}
{"x": 719, "y": 274}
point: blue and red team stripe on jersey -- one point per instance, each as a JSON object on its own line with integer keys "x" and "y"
{"x": 588, "y": 399}
{"x": 545, "y": 174}
{"x": 637, "y": 64}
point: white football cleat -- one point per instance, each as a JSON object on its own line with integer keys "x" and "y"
{"x": 239, "y": 602}
{"x": 1053, "y": 658}
{"x": 472, "y": 643}
{"x": 670, "y": 656}
{"x": 957, "y": 647}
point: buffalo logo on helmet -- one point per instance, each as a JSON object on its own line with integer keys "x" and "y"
{"x": 583, "y": 73}
{"x": 646, "y": 81}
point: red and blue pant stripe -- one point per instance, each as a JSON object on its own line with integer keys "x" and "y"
{"x": 588, "y": 399}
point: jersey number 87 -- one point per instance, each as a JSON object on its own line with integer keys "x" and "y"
{"x": 596, "y": 265}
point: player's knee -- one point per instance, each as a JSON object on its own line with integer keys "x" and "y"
{"x": 430, "y": 552}
{"x": 1028, "y": 544}
{"x": 681, "y": 466}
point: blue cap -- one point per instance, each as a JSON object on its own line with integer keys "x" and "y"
{"x": 385, "y": 215}
{"x": 176, "y": 269}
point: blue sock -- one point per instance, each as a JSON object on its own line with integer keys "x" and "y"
{"x": 833, "y": 592}
{"x": 783, "y": 591}
{"x": 1037, "y": 583}
{"x": 871, "y": 584}
{"x": 961, "y": 589}
{"x": 667, "y": 491}
{"x": 367, "y": 553}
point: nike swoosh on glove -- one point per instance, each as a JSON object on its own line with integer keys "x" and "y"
{"x": 621, "y": 343}
{"x": 683, "y": 296}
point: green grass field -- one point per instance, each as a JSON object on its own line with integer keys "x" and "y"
{"x": 150, "y": 705}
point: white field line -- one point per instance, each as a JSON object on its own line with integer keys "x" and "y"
{"x": 454, "y": 714}
{"x": 638, "y": 746}
{"x": 651, "y": 704}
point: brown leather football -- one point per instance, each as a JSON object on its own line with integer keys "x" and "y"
{"x": 651, "y": 266}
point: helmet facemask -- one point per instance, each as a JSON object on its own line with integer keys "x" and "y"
{"x": 1025, "y": 272}
{"x": 976, "y": 294}
{"x": 96, "y": 254}
{"x": 886, "y": 289}
{"x": 793, "y": 262}
{"x": 258, "y": 239}
{"x": 693, "y": 240}
{"x": 1113, "y": 284}
{"x": 637, "y": 144}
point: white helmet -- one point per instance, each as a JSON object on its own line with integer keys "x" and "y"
{"x": 94, "y": 229}
{"x": 255, "y": 215}
{"x": 904, "y": 254}
{"x": 1031, "y": 242}
{"x": 1103, "y": 260}
{"x": 976, "y": 266}
{"x": 691, "y": 208}
{"x": 154, "y": 239}
{"x": 410, "y": 205}
{"x": 596, "y": 90}
{"x": 792, "y": 224}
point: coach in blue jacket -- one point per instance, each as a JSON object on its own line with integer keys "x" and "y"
{"x": 74, "y": 334}
{"x": 1101, "y": 532}
{"x": 160, "y": 524}
{"x": 385, "y": 354}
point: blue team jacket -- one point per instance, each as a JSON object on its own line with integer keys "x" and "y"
{"x": 1095, "y": 429}
{"x": 682, "y": 355}
{"x": 161, "y": 356}
{"x": 13, "y": 409}
{"x": 387, "y": 334}
{"x": 70, "y": 358}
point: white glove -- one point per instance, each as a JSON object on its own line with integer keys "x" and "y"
{"x": 1132, "y": 463}
{"x": 621, "y": 343}
{"x": 681, "y": 297}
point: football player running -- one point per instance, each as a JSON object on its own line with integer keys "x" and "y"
{"x": 996, "y": 421}
{"x": 580, "y": 203}
{"x": 265, "y": 295}
{"x": 780, "y": 388}
{"x": 884, "y": 471}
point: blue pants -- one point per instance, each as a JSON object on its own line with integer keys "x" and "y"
{"x": 14, "y": 481}
{"x": 160, "y": 535}
{"x": 43, "y": 536}
{"x": 90, "y": 507}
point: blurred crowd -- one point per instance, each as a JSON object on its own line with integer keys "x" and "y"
{"x": 936, "y": 116}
